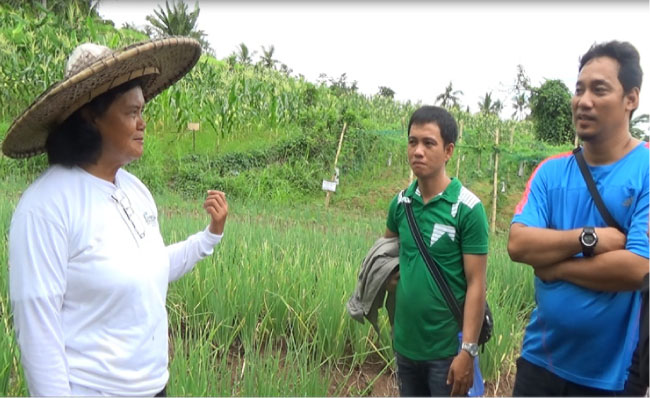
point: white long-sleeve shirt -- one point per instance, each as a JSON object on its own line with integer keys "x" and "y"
{"x": 88, "y": 276}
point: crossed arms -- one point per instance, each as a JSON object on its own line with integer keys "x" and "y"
{"x": 550, "y": 252}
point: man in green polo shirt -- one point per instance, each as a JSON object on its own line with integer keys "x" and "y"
{"x": 454, "y": 228}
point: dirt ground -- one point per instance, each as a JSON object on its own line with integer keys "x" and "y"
{"x": 374, "y": 378}
{"x": 385, "y": 382}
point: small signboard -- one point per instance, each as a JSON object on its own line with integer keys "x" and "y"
{"x": 193, "y": 126}
{"x": 329, "y": 186}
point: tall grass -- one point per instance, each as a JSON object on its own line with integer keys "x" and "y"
{"x": 11, "y": 378}
{"x": 265, "y": 315}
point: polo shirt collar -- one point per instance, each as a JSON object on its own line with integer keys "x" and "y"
{"x": 450, "y": 194}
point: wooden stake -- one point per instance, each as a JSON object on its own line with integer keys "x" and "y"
{"x": 493, "y": 222}
{"x": 336, "y": 159}
{"x": 193, "y": 127}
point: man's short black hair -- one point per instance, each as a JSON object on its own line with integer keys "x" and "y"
{"x": 435, "y": 114}
{"x": 629, "y": 73}
{"x": 77, "y": 141}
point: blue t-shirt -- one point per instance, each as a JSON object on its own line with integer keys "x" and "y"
{"x": 582, "y": 335}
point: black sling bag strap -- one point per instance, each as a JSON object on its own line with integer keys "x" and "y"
{"x": 433, "y": 266}
{"x": 593, "y": 190}
{"x": 636, "y": 377}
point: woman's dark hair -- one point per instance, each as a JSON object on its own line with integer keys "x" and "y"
{"x": 77, "y": 141}
{"x": 435, "y": 114}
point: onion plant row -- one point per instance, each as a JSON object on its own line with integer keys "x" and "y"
{"x": 265, "y": 314}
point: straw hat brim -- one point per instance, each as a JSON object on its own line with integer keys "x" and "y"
{"x": 162, "y": 61}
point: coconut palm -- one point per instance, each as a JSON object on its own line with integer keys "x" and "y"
{"x": 519, "y": 103}
{"x": 178, "y": 21}
{"x": 488, "y": 105}
{"x": 244, "y": 55}
{"x": 522, "y": 91}
{"x": 267, "y": 59}
{"x": 450, "y": 97}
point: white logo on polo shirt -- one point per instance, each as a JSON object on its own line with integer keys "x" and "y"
{"x": 467, "y": 198}
{"x": 439, "y": 230}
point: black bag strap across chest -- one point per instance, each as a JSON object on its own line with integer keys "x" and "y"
{"x": 433, "y": 266}
{"x": 591, "y": 185}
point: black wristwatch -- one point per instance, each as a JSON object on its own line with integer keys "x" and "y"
{"x": 588, "y": 240}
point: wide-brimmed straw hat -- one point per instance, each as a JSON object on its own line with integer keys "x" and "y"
{"x": 92, "y": 70}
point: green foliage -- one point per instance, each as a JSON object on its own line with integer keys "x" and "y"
{"x": 177, "y": 20}
{"x": 551, "y": 111}
{"x": 489, "y": 106}
{"x": 58, "y": 7}
{"x": 339, "y": 86}
{"x": 273, "y": 298}
{"x": 244, "y": 55}
{"x": 267, "y": 60}
{"x": 34, "y": 47}
{"x": 265, "y": 315}
{"x": 638, "y": 132}
{"x": 522, "y": 91}
{"x": 386, "y": 92}
{"x": 450, "y": 97}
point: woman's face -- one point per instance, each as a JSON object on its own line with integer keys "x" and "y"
{"x": 122, "y": 129}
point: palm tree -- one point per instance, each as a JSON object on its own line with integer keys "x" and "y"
{"x": 487, "y": 105}
{"x": 519, "y": 104}
{"x": 244, "y": 56}
{"x": 497, "y": 107}
{"x": 177, "y": 21}
{"x": 266, "y": 59}
{"x": 636, "y": 131}
{"x": 231, "y": 61}
{"x": 449, "y": 97}
{"x": 522, "y": 92}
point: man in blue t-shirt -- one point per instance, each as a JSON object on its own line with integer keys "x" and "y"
{"x": 584, "y": 330}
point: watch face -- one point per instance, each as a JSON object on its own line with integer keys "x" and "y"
{"x": 588, "y": 239}
{"x": 472, "y": 349}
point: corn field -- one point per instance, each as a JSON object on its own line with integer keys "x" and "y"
{"x": 265, "y": 315}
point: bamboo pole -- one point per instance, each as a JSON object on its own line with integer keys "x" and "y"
{"x": 493, "y": 222}
{"x": 460, "y": 136}
{"x": 405, "y": 127}
{"x": 336, "y": 159}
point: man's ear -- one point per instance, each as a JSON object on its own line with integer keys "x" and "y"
{"x": 449, "y": 151}
{"x": 631, "y": 99}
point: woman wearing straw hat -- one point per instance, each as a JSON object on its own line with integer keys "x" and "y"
{"x": 88, "y": 267}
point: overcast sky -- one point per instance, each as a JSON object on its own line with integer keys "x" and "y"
{"x": 417, "y": 48}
